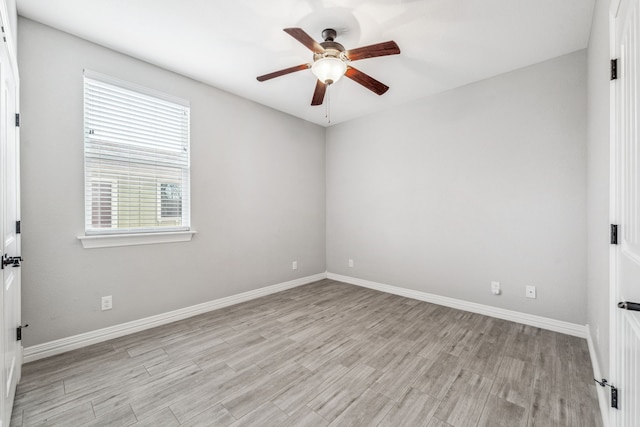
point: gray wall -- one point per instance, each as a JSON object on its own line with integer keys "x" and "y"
{"x": 258, "y": 197}
{"x": 598, "y": 184}
{"x": 485, "y": 182}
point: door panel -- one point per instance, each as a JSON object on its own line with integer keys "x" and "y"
{"x": 625, "y": 325}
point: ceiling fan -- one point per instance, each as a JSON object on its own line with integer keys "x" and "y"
{"x": 331, "y": 61}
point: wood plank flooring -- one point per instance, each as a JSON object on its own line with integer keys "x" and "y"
{"x": 323, "y": 354}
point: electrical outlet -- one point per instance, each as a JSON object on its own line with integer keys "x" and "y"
{"x": 294, "y": 265}
{"x": 530, "y": 291}
{"x": 350, "y": 263}
{"x": 107, "y": 303}
{"x": 495, "y": 288}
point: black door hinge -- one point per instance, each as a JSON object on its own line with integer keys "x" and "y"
{"x": 17, "y": 120}
{"x": 614, "y": 69}
{"x": 17, "y": 227}
{"x": 614, "y": 391}
{"x": 19, "y": 332}
{"x": 614, "y": 234}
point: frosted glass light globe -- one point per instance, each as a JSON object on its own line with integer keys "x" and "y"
{"x": 329, "y": 70}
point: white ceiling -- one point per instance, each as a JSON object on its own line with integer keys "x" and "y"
{"x": 444, "y": 43}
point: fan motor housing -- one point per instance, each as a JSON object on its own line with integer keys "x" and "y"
{"x": 330, "y": 45}
{"x": 331, "y": 49}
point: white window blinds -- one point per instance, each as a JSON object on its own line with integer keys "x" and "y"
{"x": 136, "y": 150}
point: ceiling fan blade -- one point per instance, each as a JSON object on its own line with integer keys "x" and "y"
{"x": 318, "y": 94}
{"x": 366, "y": 81}
{"x": 283, "y": 72}
{"x": 380, "y": 49}
{"x": 305, "y": 39}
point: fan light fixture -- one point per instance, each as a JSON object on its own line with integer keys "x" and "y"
{"x": 329, "y": 69}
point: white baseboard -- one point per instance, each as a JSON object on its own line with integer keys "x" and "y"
{"x": 501, "y": 313}
{"x": 602, "y": 395}
{"x": 52, "y": 348}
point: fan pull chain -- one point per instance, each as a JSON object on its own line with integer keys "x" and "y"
{"x": 327, "y": 111}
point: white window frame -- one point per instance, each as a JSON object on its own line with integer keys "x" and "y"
{"x": 96, "y": 238}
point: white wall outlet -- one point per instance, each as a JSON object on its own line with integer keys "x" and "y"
{"x": 530, "y": 292}
{"x": 350, "y": 263}
{"x": 294, "y": 265}
{"x": 495, "y": 288}
{"x": 107, "y": 303}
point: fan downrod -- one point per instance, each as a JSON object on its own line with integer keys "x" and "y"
{"x": 329, "y": 34}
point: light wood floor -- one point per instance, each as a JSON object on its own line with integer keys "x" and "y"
{"x": 326, "y": 353}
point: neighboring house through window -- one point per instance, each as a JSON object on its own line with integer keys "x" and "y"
{"x": 136, "y": 148}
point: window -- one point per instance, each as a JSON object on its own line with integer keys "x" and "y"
{"x": 136, "y": 150}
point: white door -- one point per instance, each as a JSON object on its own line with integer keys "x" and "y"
{"x": 625, "y": 324}
{"x": 10, "y": 211}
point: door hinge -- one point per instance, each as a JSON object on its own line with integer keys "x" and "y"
{"x": 614, "y": 391}
{"x": 614, "y": 69}
{"x": 614, "y": 234}
{"x": 18, "y": 227}
{"x": 17, "y": 120}
{"x": 19, "y": 331}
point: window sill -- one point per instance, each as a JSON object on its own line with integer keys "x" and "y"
{"x": 112, "y": 240}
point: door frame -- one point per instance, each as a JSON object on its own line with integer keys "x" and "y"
{"x": 614, "y": 214}
{"x": 613, "y": 209}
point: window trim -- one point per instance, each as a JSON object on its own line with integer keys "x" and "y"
{"x": 93, "y": 241}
